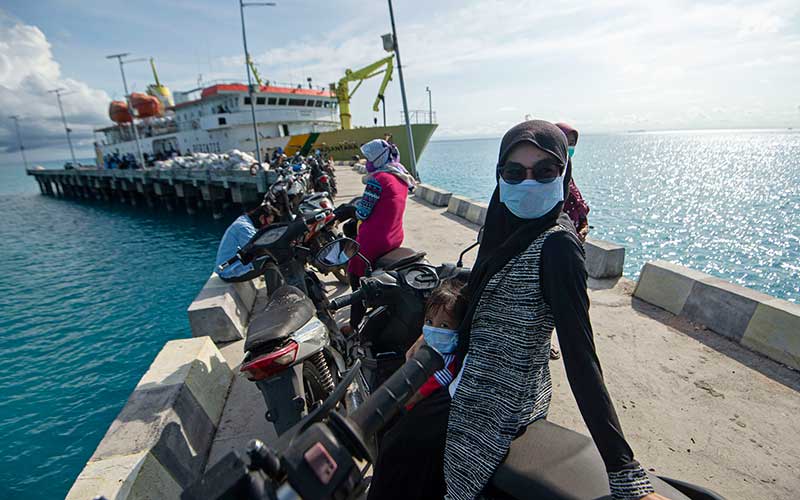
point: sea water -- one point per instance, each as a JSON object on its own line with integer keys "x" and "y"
{"x": 723, "y": 202}
{"x": 89, "y": 292}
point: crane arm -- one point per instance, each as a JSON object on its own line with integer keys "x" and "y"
{"x": 343, "y": 94}
{"x": 155, "y": 74}
{"x": 255, "y": 71}
{"x": 387, "y": 77}
{"x": 367, "y": 71}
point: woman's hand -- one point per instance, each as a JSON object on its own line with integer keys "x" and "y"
{"x": 415, "y": 347}
{"x": 653, "y": 496}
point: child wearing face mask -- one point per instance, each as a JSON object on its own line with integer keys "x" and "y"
{"x": 424, "y": 478}
{"x": 444, "y": 311}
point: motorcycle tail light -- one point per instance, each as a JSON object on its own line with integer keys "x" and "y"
{"x": 271, "y": 363}
{"x": 323, "y": 178}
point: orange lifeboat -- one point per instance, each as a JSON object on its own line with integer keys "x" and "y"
{"x": 146, "y": 105}
{"x": 118, "y": 112}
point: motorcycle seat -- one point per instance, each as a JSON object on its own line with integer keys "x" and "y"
{"x": 288, "y": 309}
{"x": 398, "y": 258}
{"x": 550, "y": 461}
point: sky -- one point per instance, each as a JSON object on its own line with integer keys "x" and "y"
{"x": 604, "y": 65}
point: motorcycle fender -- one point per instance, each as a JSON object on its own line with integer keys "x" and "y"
{"x": 285, "y": 398}
{"x": 311, "y": 338}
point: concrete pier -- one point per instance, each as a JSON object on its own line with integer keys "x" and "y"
{"x": 694, "y": 404}
{"x": 192, "y": 190}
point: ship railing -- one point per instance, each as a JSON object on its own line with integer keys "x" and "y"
{"x": 293, "y": 85}
{"x": 418, "y": 116}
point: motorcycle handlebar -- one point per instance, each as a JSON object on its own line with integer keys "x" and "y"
{"x": 345, "y": 300}
{"x": 387, "y": 401}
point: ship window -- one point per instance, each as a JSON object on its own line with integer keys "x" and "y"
{"x": 297, "y": 102}
{"x": 327, "y": 104}
{"x": 317, "y": 104}
{"x": 310, "y": 103}
{"x": 272, "y": 101}
{"x": 247, "y": 100}
{"x": 282, "y": 101}
{"x": 222, "y": 121}
{"x": 285, "y": 129}
{"x": 261, "y": 100}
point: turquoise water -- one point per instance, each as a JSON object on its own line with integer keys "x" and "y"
{"x": 90, "y": 292}
{"x": 723, "y": 202}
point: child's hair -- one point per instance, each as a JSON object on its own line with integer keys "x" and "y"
{"x": 449, "y": 296}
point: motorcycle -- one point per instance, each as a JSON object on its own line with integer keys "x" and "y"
{"x": 324, "y": 177}
{"x": 323, "y": 455}
{"x": 287, "y": 192}
{"x": 394, "y": 295}
{"x": 294, "y": 351}
{"x": 291, "y": 200}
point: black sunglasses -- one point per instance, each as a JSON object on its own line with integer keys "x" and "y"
{"x": 546, "y": 170}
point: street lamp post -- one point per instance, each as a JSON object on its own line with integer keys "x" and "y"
{"x": 19, "y": 139}
{"x": 242, "y": 5}
{"x": 430, "y": 105}
{"x": 396, "y": 47}
{"x": 128, "y": 101}
{"x": 57, "y": 92}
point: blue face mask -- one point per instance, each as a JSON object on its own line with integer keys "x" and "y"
{"x": 571, "y": 150}
{"x": 443, "y": 340}
{"x": 531, "y": 199}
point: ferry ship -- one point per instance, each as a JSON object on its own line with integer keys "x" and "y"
{"x": 218, "y": 118}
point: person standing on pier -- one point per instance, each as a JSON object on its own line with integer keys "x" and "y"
{"x": 575, "y": 206}
{"x": 380, "y": 210}
{"x": 236, "y": 236}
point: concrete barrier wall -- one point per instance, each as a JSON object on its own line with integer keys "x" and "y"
{"x": 758, "y": 321}
{"x": 222, "y": 310}
{"x": 473, "y": 211}
{"x": 604, "y": 259}
{"x": 433, "y": 195}
{"x": 160, "y": 441}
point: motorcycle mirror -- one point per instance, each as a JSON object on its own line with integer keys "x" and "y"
{"x": 337, "y": 253}
{"x": 460, "y": 262}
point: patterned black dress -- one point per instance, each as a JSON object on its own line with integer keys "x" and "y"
{"x": 505, "y": 382}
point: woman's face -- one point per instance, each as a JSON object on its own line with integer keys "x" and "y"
{"x": 528, "y": 155}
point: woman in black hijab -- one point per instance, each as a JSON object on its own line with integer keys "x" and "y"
{"x": 529, "y": 277}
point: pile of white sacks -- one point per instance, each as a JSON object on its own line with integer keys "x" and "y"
{"x": 232, "y": 160}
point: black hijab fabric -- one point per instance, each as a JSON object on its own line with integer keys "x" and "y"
{"x": 505, "y": 235}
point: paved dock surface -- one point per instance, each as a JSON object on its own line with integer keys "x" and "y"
{"x": 693, "y": 405}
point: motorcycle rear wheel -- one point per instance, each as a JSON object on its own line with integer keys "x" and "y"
{"x": 315, "y": 392}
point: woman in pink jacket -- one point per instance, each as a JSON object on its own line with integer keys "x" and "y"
{"x": 380, "y": 210}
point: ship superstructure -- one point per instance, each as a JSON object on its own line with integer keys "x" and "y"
{"x": 218, "y": 118}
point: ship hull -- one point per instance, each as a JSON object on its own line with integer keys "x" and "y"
{"x": 339, "y": 143}
{"x": 344, "y": 144}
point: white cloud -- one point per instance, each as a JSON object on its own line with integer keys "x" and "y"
{"x": 27, "y": 71}
{"x": 611, "y": 63}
